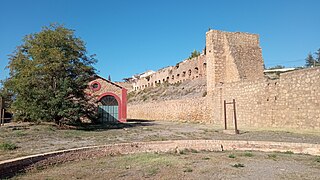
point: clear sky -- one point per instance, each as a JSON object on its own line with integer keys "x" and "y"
{"x": 132, "y": 36}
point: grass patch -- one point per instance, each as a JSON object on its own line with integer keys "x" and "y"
{"x": 194, "y": 151}
{"x": 20, "y": 133}
{"x": 248, "y": 154}
{"x": 288, "y": 152}
{"x": 232, "y": 156}
{"x": 152, "y": 171}
{"x": 8, "y": 146}
{"x": 272, "y": 156}
{"x": 238, "y": 165}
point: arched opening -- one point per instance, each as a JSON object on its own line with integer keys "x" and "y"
{"x": 196, "y": 70}
{"x": 189, "y": 72}
{"x": 108, "y": 108}
{"x": 183, "y": 74}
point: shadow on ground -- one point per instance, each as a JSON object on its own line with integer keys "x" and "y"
{"x": 131, "y": 123}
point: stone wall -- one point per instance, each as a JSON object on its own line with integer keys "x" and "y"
{"x": 193, "y": 109}
{"x": 234, "y": 70}
{"x": 289, "y": 102}
{"x": 187, "y": 69}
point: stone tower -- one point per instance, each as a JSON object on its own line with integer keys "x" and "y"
{"x": 232, "y": 57}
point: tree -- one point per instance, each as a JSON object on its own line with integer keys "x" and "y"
{"x": 48, "y": 75}
{"x": 109, "y": 78}
{"x": 194, "y": 54}
{"x": 310, "y": 61}
{"x": 317, "y": 57}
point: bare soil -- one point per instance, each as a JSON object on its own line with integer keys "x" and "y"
{"x": 33, "y": 139}
{"x": 188, "y": 164}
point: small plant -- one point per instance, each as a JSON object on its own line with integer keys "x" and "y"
{"x": 188, "y": 169}
{"x": 8, "y": 146}
{"x": 272, "y": 156}
{"x": 248, "y": 154}
{"x": 206, "y": 158}
{"x": 318, "y": 159}
{"x": 193, "y": 150}
{"x": 288, "y": 152}
{"x": 238, "y": 165}
{"x": 232, "y": 156}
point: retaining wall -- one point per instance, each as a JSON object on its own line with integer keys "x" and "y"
{"x": 9, "y": 168}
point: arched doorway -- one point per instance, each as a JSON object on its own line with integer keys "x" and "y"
{"x": 108, "y": 109}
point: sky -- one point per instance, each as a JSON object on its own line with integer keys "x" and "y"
{"x": 133, "y": 36}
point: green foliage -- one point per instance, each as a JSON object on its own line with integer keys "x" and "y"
{"x": 48, "y": 75}
{"x": 318, "y": 159}
{"x": 272, "y": 156}
{"x": 248, "y": 154}
{"x": 288, "y": 152}
{"x": 8, "y": 146}
{"x": 232, "y": 156}
{"x": 310, "y": 61}
{"x": 194, "y": 54}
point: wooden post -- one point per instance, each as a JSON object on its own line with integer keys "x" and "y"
{"x": 2, "y": 118}
{"x": 235, "y": 117}
{"x": 225, "y": 114}
{"x": 1, "y": 104}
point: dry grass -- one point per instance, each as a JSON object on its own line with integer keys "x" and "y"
{"x": 202, "y": 165}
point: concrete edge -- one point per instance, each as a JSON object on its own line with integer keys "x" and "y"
{"x": 9, "y": 168}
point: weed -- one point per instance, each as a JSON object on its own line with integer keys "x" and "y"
{"x": 248, "y": 154}
{"x": 20, "y": 133}
{"x": 188, "y": 169}
{"x": 272, "y": 156}
{"x": 238, "y": 165}
{"x": 232, "y": 156}
{"x": 193, "y": 150}
{"x": 288, "y": 152}
{"x": 152, "y": 171}
{"x": 8, "y": 146}
{"x": 318, "y": 159}
{"x": 206, "y": 158}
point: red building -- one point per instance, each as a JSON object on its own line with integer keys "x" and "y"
{"x": 110, "y": 100}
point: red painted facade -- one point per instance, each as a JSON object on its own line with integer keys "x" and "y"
{"x": 100, "y": 87}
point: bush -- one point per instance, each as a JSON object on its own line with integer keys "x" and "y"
{"x": 8, "y": 146}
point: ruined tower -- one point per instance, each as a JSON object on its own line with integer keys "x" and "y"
{"x": 231, "y": 57}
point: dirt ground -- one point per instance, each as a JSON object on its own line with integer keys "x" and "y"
{"x": 187, "y": 164}
{"x": 33, "y": 139}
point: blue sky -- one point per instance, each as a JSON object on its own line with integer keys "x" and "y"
{"x": 132, "y": 36}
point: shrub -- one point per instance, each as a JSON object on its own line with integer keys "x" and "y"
{"x": 8, "y": 146}
{"x": 232, "y": 156}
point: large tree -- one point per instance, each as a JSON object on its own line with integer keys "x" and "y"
{"x": 48, "y": 75}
